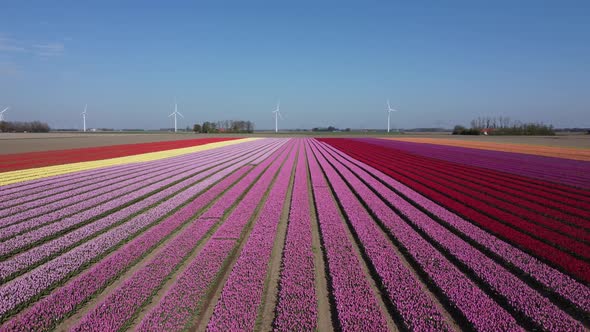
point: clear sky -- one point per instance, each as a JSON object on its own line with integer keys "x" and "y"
{"x": 331, "y": 63}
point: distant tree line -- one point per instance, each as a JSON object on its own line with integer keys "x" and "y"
{"x": 503, "y": 126}
{"x": 328, "y": 129}
{"x": 21, "y": 127}
{"x": 225, "y": 126}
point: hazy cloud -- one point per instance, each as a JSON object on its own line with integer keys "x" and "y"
{"x": 47, "y": 50}
{"x": 10, "y": 45}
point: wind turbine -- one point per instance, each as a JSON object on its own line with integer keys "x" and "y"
{"x": 175, "y": 113}
{"x": 277, "y": 113}
{"x": 389, "y": 110}
{"x": 2, "y": 113}
{"x": 84, "y": 116}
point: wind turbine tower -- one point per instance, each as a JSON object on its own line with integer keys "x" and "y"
{"x": 389, "y": 110}
{"x": 176, "y": 112}
{"x": 84, "y": 116}
{"x": 2, "y": 113}
{"x": 277, "y": 113}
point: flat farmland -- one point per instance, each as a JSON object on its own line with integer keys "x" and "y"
{"x": 295, "y": 234}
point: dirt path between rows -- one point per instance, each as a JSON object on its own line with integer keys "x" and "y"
{"x": 269, "y": 298}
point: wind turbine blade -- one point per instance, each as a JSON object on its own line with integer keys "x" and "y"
{"x": 4, "y": 110}
{"x": 171, "y": 114}
{"x": 180, "y": 114}
{"x": 85, "y": 107}
{"x": 388, "y": 106}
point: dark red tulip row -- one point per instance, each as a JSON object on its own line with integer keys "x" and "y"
{"x": 522, "y": 299}
{"x": 11, "y": 162}
{"x": 467, "y": 207}
{"x": 458, "y": 157}
{"x": 44, "y": 314}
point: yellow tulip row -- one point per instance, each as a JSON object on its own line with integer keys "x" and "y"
{"x": 42, "y": 172}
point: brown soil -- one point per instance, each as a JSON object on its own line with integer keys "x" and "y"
{"x": 269, "y": 300}
{"x": 214, "y": 293}
{"x": 20, "y": 143}
{"x": 321, "y": 282}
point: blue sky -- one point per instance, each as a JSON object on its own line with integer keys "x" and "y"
{"x": 331, "y": 63}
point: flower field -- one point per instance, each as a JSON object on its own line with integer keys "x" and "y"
{"x": 295, "y": 234}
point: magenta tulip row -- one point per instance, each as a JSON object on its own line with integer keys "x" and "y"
{"x": 416, "y": 308}
{"x": 520, "y": 297}
{"x": 60, "y": 209}
{"x": 120, "y": 306}
{"x": 29, "y": 285}
{"x": 182, "y": 300}
{"x": 564, "y": 286}
{"x": 357, "y": 308}
{"x": 67, "y": 183}
{"x": 241, "y": 295}
{"x": 41, "y": 252}
{"x": 26, "y": 239}
{"x": 61, "y": 303}
{"x": 57, "y": 198}
{"x": 296, "y": 308}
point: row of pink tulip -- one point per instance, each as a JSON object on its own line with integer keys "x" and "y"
{"x": 238, "y": 306}
{"x": 408, "y": 299}
{"x": 39, "y": 254}
{"x": 534, "y": 309}
{"x": 182, "y": 300}
{"x": 355, "y": 303}
{"x": 44, "y": 314}
{"x": 564, "y": 287}
{"x": 296, "y": 308}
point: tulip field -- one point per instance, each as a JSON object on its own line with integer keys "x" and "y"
{"x": 296, "y": 234}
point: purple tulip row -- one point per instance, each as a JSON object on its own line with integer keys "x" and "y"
{"x": 241, "y": 295}
{"x": 39, "y": 253}
{"x": 572, "y": 172}
{"x": 110, "y": 180}
{"x": 77, "y": 179}
{"x": 567, "y": 288}
{"x": 182, "y": 300}
{"x": 29, "y": 285}
{"x": 120, "y": 306}
{"x": 477, "y": 308}
{"x": 357, "y": 308}
{"x": 27, "y": 239}
{"x": 520, "y": 297}
{"x": 60, "y": 209}
{"x": 296, "y": 308}
{"x": 416, "y": 309}
{"x": 50, "y": 310}
{"x": 63, "y": 187}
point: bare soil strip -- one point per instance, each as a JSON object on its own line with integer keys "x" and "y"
{"x": 271, "y": 288}
{"x": 325, "y": 312}
{"x": 391, "y": 324}
{"x": 214, "y": 293}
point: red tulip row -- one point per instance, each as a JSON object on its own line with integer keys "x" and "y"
{"x": 467, "y": 207}
{"x": 526, "y": 186}
{"x": 11, "y": 162}
{"x": 357, "y": 308}
{"x": 525, "y": 301}
{"x": 61, "y": 303}
{"x": 416, "y": 309}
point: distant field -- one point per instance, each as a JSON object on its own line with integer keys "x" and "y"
{"x": 20, "y": 143}
{"x": 293, "y": 234}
